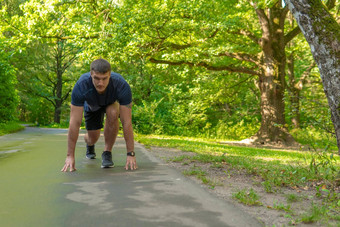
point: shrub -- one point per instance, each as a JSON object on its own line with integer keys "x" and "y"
{"x": 8, "y": 95}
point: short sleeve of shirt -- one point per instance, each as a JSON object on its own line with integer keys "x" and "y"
{"x": 124, "y": 94}
{"x": 77, "y": 99}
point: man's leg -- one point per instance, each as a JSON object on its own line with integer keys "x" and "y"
{"x": 110, "y": 133}
{"x": 111, "y": 125}
{"x": 94, "y": 123}
{"x": 92, "y": 136}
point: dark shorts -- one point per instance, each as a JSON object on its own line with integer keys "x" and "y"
{"x": 94, "y": 120}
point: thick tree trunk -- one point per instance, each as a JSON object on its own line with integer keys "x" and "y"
{"x": 271, "y": 82}
{"x": 322, "y": 33}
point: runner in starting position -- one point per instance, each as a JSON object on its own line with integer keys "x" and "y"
{"x": 97, "y": 93}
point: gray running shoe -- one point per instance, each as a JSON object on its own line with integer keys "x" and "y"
{"x": 90, "y": 154}
{"x": 107, "y": 159}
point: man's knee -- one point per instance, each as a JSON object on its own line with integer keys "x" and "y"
{"x": 112, "y": 114}
{"x": 92, "y": 136}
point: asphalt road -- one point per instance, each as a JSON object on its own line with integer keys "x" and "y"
{"x": 34, "y": 192}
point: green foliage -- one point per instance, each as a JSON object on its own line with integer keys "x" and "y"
{"x": 268, "y": 186}
{"x": 324, "y": 163}
{"x": 236, "y": 131}
{"x": 36, "y": 110}
{"x": 201, "y": 175}
{"x": 145, "y": 118}
{"x": 281, "y": 206}
{"x": 194, "y": 171}
{"x": 10, "y": 127}
{"x": 291, "y": 198}
{"x": 250, "y": 197}
{"x": 42, "y": 57}
{"x": 8, "y": 94}
{"x": 314, "y": 138}
{"x": 183, "y": 98}
{"x": 315, "y": 214}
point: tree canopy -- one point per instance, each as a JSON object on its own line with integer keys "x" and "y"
{"x": 226, "y": 69}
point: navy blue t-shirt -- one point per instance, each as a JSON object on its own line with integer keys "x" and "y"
{"x": 85, "y": 94}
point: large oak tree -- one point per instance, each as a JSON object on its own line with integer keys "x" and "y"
{"x": 246, "y": 38}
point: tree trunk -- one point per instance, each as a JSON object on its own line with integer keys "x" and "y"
{"x": 59, "y": 83}
{"x": 58, "y": 98}
{"x": 322, "y": 33}
{"x": 271, "y": 82}
{"x": 57, "y": 113}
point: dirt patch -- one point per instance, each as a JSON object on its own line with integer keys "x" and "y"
{"x": 224, "y": 181}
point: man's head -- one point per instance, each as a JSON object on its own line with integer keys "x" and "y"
{"x": 100, "y": 73}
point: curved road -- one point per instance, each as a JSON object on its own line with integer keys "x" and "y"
{"x": 34, "y": 192}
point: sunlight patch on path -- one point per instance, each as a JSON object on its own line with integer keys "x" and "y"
{"x": 90, "y": 193}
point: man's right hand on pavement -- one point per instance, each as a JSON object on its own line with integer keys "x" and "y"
{"x": 69, "y": 163}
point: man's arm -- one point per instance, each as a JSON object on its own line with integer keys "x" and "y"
{"x": 76, "y": 117}
{"x": 126, "y": 119}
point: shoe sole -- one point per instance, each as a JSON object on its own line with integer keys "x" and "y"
{"x": 90, "y": 158}
{"x": 106, "y": 167}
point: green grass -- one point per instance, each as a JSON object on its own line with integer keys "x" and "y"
{"x": 316, "y": 213}
{"x": 201, "y": 175}
{"x": 277, "y": 168}
{"x": 292, "y": 198}
{"x": 194, "y": 171}
{"x": 250, "y": 197}
{"x": 274, "y": 168}
{"x": 281, "y": 206}
{"x": 10, "y": 127}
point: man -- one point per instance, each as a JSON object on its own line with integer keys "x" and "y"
{"x": 95, "y": 93}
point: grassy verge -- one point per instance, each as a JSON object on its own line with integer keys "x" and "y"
{"x": 10, "y": 127}
{"x": 314, "y": 138}
{"x": 317, "y": 170}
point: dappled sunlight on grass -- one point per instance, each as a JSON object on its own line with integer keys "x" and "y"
{"x": 278, "y": 167}
{"x": 211, "y": 147}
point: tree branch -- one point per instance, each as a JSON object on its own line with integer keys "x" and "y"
{"x": 240, "y": 82}
{"x": 70, "y": 37}
{"x": 32, "y": 91}
{"x": 290, "y": 35}
{"x": 66, "y": 95}
{"x": 264, "y": 21}
{"x": 207, "y": 66}
{"x": 240, "y": 56}
{"x": 246, "y": 33}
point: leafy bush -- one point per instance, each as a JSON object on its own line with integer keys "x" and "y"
{"x": 10, "y": 127}
{"x": 316, "y": 138}
{"x": 35, "y": 110}
{"x": 145, "y": 118}
{"x": 8, "y": 95}
{"x": 238, "y": 131}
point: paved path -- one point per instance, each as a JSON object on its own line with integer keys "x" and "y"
{"x": 34, "y": 192}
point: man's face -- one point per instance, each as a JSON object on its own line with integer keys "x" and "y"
{"x": 100, "y": 81}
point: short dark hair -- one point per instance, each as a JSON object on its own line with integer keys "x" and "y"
{"x": 100, "y": 66}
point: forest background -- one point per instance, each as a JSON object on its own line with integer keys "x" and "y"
{"x": 196, "y": 68}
